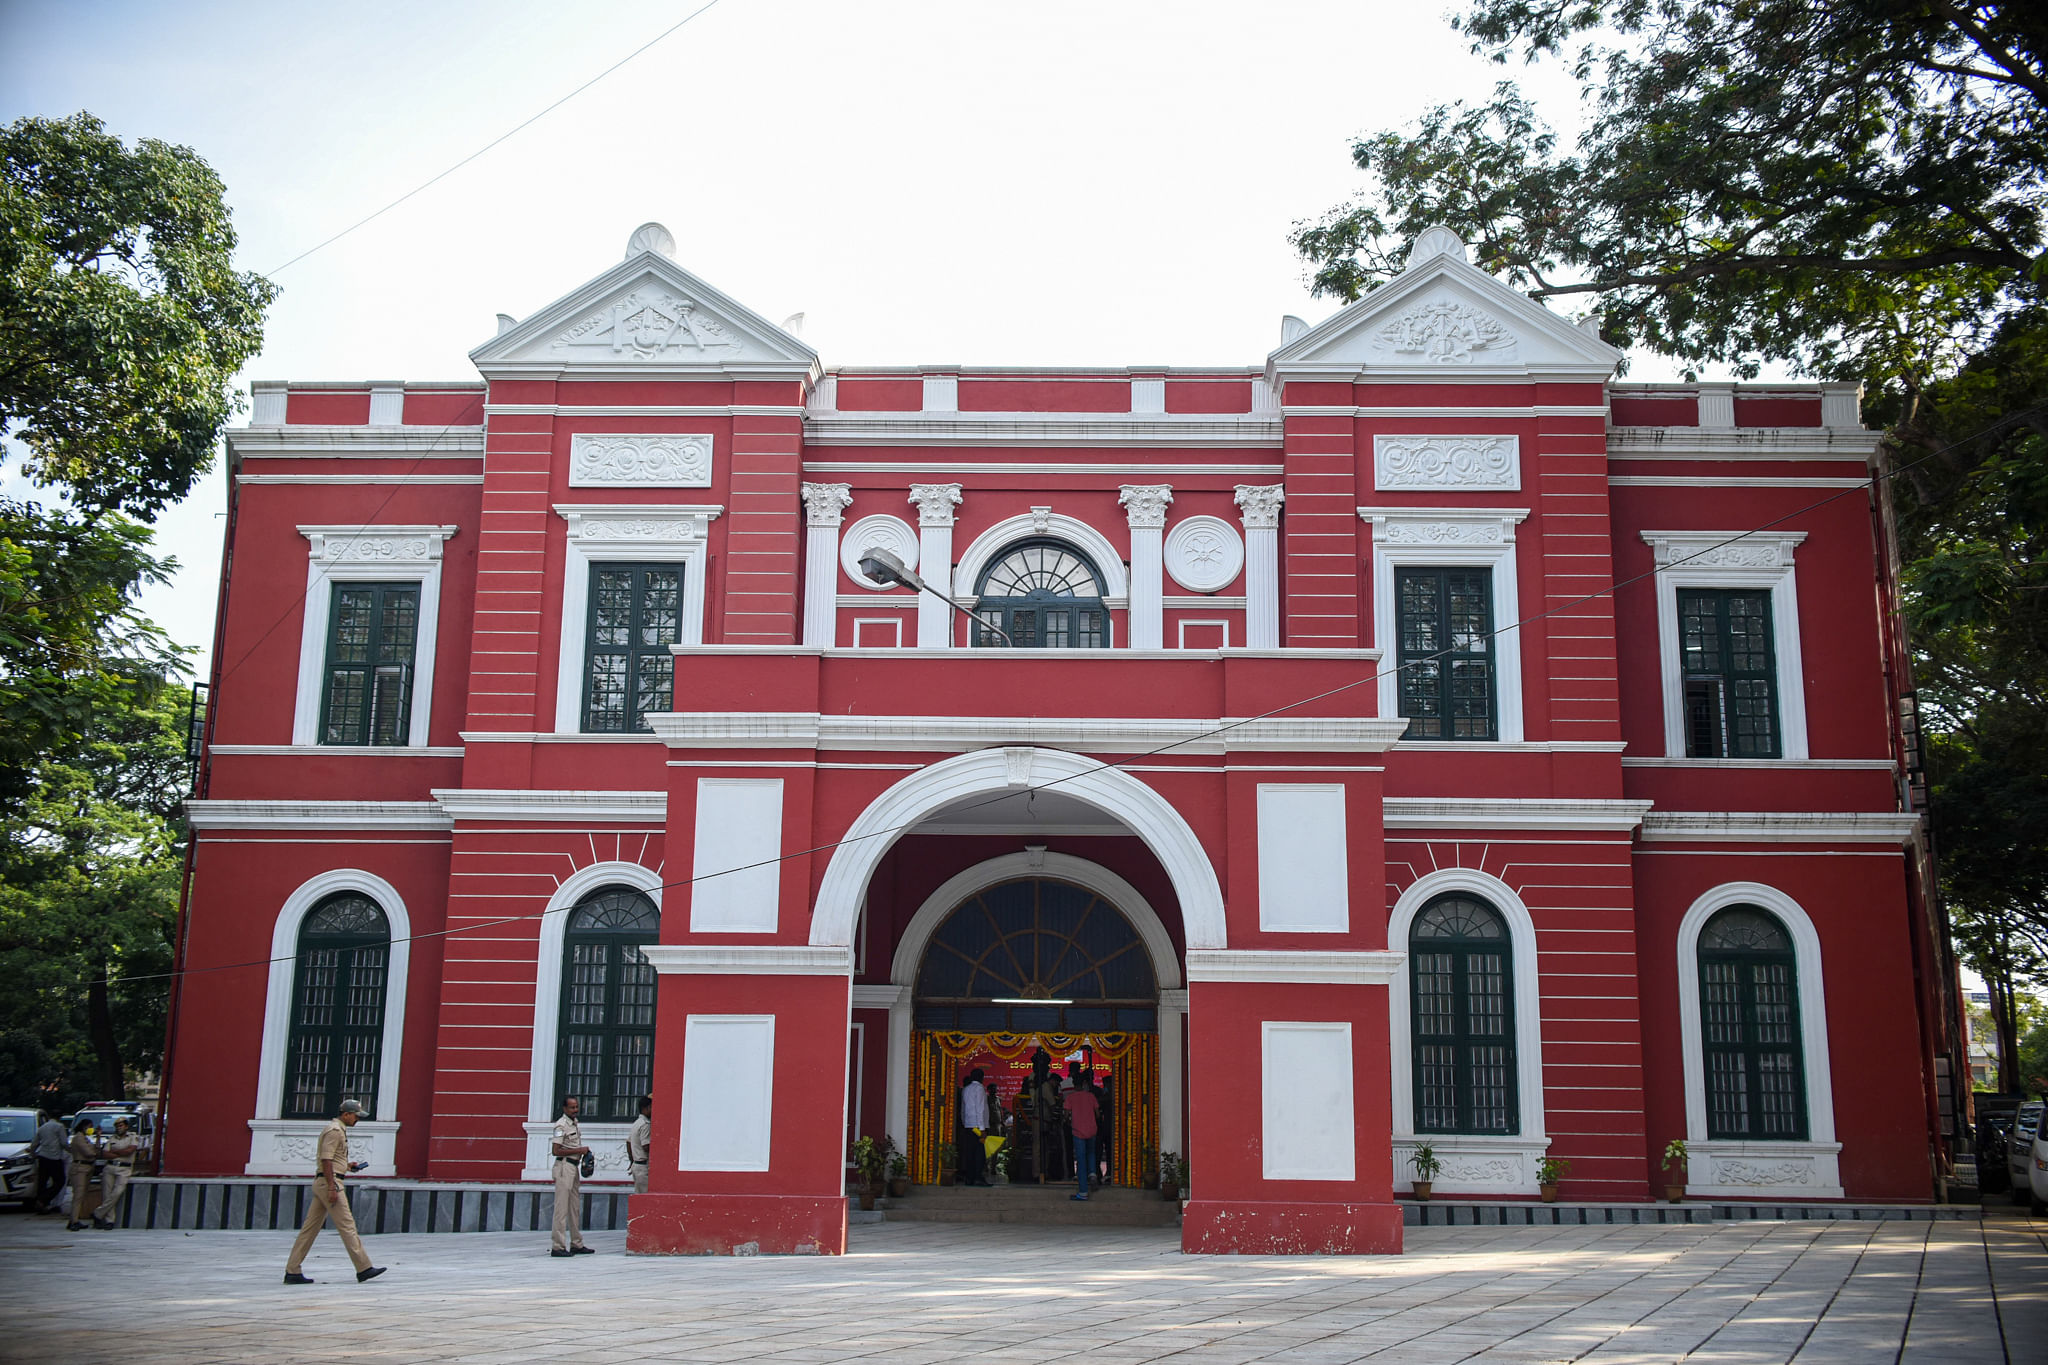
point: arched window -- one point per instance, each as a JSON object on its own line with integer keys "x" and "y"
{"x": 1462, "y": 980}
{"x": 1043, "y": 595}
{"x": 337, "y": 1024}
{"x": 1749, "y": 1028}
{"x": 606, "y": 1054}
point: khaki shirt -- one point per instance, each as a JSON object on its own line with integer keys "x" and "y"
{"x": 83, "y": 1148}
{"x": 637, "y": 1139}
{"x": 121, "y": 1150}
{"x": 568, "y": 1133}
{"x": 333, "y": 1147}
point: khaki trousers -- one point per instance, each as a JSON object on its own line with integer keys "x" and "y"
{"x": 328, "y": 1203}
{"x": 639, "y": 1177}
{"x": 568, "y": 1205}
{"x": 81, "y": 1177}
{"x": 113, "y": 1184}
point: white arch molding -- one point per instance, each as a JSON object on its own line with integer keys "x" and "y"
{"x": 1127, "y": 899}
{"x": 281, "y": 1146}
{"x": 606, "y": 1139}
{"x": 1109, "y": 561}
{"x": 1472, "y": 1163}
{"x": 1724, "y": 1169}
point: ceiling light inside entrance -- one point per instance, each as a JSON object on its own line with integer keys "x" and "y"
{"x": 1021, "y": 1000}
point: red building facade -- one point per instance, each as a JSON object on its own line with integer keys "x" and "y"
{"x": 1418, "y": 738}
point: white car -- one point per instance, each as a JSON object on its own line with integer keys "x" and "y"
{"x": 17, "y": 1162}
{"x": 2037, "y": 1172}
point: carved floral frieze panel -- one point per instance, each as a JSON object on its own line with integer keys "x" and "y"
{"x": 1450, "y": 463}
{"x": 1445, "y": 332}
{"x": 630, "y": 461}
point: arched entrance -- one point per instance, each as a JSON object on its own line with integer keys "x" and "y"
{"x": 1035, "y": 962}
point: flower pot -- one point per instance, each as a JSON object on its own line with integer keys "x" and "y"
{"x": 945, "y": 1175}
{"x": 1549, "y": 1192}
{"x": 1422, "y": 1188}
{"x": 1170, "y": 1193}
{"x": 1675, "y": 1193}
{"x": 899, "y": 1187}
{"x": 867, "y": 1199}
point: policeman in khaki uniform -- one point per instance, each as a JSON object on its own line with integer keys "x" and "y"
{"x": 330, "y": 1200}
{"x": 638, "y": 1138}
{"x": 569, "y": 1153}
{"x": 84, "y": 1152}
{"x": 120, "y": 1150}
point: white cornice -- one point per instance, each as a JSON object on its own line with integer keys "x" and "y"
{"x": 1461, "y": 413}
{"x": 880, "y": 997}
{"x": 960, "y": 734}
{"x": 354, "y": 480}
{"x": 1042, "y": 429}
{"x": 1105, "y": 469}
{"x": 462, "y": 803}
{"x": 1430, "y": 812}
{"x": 1781, "y": 827}
{"x": 339, "y": 750}
{"x": 305, "y": 815}
{"x": 641, "y": 410}
{"x": 1740, "y": 443}
{"x": 358, "y": 443}
{"x": 750, "y": 960}
{"x": 1295, "y": 968}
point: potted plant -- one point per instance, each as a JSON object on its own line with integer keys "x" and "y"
{"x": 899, "y": 1176}
{"x": 1674, "y": 1156}
{"x": 1148, "y": 1161}
{"x": 948, "y": 1163}
{"x": 1426, "y": 1166}
{"x": 1549, "y": 1171}
{"x": 1173, "y": 1176}
{"x": 871, "y": 1161}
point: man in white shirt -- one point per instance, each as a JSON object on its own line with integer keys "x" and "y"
{"x": 973, "y": 1123}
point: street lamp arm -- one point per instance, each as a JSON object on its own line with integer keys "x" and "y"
{"x": 884, "y": 567}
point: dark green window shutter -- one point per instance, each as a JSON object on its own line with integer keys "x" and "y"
{"x": 1754, "y": 1059}
{"x": 334, "y": 1048}
{"x": 605, "y": 1056}
{"x": 372, "y": 636}
{"x": 1727, "y": 654}
{"x": 636, "y": 613}
{"x": 1445, "y": 653}
{"x": 1462, "y": 1019}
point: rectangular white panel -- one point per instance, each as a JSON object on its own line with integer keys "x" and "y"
{"x": 739, "y": 826}
{"x": 1307, "y": 1130}
{"x": 728, "y": 1092}
{"x": 1304, "y": 871}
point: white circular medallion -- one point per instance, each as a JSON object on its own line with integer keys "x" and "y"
{"x": 879, "y": 532}
{"x": 1204, "y": 554}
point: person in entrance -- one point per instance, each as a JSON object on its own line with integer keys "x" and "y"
{"x": 973, "y": 1123}
{"x": 1084, "y": 1112}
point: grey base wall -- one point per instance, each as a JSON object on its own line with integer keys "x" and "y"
{"x": 1438, "y": 1213}
{"x": 267, "y": 1205}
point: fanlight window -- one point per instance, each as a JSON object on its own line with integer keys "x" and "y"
{"x": 1037, "y": 939}
{"x": 1043, "y": 595}
{"x": 1462, "y": 986}
{"x": 336, "y": 1043}
{"x": 1749, "y": 1028}
{"x": 606, "y": 1053}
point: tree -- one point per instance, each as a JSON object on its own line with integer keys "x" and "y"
{"x": 1855, "y": 189}
{"x": 93, "y": 862}
{"x": 122, "y": 324}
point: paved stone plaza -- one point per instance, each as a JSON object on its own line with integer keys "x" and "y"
{"x": 922, "y": 1294}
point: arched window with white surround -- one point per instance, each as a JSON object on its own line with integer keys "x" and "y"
{"x": 1749, "y": 1027}
{"x": 336, "y": 1044}
{"x": 1461, "y": 983}
{"x": 605, "y": 1054}
{"x": 1042, "y": 594}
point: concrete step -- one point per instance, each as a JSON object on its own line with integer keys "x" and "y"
{"x": 1043, "y": 1205}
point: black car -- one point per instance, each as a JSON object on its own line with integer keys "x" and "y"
{"x": 1994, "y": 1139}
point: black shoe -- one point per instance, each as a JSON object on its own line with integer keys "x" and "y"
{"x": 291, "y": 1278}
{"x": 73, "y": 1227}
{"x": 582, "y": 1251}
{"x": 559, "y": 1253}
{"x": 372, "y": 1273}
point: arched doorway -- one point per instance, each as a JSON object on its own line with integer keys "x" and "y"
{"x": 1026, "y": 963}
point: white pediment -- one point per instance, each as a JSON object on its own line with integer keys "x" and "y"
{"x": 645, "y": 314}
{"x": 1443, "y": 319}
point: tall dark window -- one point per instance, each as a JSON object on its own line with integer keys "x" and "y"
{"x": 1749, "y": 1028}
{"x": 1731, "y": 684}
{"x": 372, "y": 635}
{"x": 1044, "y": 595}
{"x": 1461, "y": 975}
{"x": 606, "y": 1053}
{"x": 636, "y": 613}
{"x": 1446, "y": 652}
{"x": 336, "y": 1043}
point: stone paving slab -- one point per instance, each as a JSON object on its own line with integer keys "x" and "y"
{"x": 935, "y": 1293}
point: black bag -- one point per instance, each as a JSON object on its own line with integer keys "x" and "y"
{"x": 589, "y": 1165}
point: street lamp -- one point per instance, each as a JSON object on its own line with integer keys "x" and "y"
{"x": 884, "y": 567}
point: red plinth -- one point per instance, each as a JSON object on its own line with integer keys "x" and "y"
{"x": 736, "y": 1224}
{"x": 1255, "y": 1228}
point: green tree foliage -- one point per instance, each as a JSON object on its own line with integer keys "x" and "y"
{"x": 93, "y": 862}
{"x": 1854, "y": 189}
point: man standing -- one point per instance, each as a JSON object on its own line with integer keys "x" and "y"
{"x": 1084, "y": 1111}
{"x": 569, "y": 1153}
{"x": 114, "y": 1175}
{"x": 49, "y": 1149}
{"x": 85, "y": 1154}
{"x": 330, "y": 1200}
{"x": 973, "y": 1120}
{"x": 638, "y": 1138}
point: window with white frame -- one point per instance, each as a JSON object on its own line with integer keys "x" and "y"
{"x": 366, "y": 650}
{"x": 1728, "y": 644}
{"x": 633, "y": 586}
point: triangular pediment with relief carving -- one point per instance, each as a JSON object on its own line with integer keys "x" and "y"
{"x": 647, "y": 313}
{"x": 1443, "y": 318}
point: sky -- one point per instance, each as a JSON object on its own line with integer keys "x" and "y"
{"x": 1065, "y": 183}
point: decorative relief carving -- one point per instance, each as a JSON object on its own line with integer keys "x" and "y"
{"x": 935, "y": 502}
{"x": 1724, "y": 549}
{"x": 1145, "y": 505}
{"x": 662, "y": 461}
{"x": 1405, "y": 532}
{"x": 1444, "y": 332}
{"x": 1450, "y": 462}
{"x": 825, "y": 504}
{"x": 381, "y": 549}
{"x": 306, "y": 1148}
{"x": 595, "y": 527}
{"x": 1204, "y": 554}
{"x": 1261, "y": 505}
{"x": 876, "y": 533}
{"x": 1749, "y": 1173}
{"x": 1041, "y": 520}
{"x": 648, "y": 324}
{"x": 1475, "y": 1170}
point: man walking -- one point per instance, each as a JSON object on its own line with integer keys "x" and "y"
{"x": 638, "y": 1138}
{"x": 330, "y": 1200}
{"x": 85, "y": 1154}
{"x": 569, "y": 1153}
{"x": 49, "y": 1149}
{"x": 1084, "y": 1111}
{"x": 120, "y": 1154}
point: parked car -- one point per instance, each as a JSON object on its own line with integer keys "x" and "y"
{"x": 1993, "y": 1132}
{"x": 2037, "y": 1172}
{"x": 103, "y": 1113}
{"x": 2026, "y": 1122}
{"x": 17, "y": 1162}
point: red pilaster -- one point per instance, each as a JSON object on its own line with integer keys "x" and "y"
{"x": 1320, "y": 526}
{"x": 764, "y": 532}
{"x": 511, "y": 558}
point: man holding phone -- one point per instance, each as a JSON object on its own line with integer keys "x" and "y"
{"x": 330, "y": 1199}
